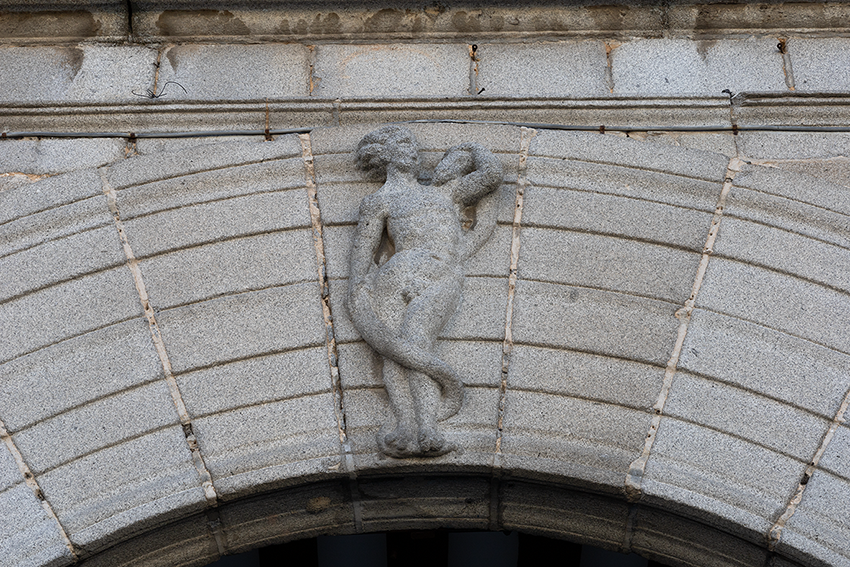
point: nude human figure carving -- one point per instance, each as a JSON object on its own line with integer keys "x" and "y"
{"x": 406, "y": 276}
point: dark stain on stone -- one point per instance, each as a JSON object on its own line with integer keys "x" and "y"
{"x": 418, "y": 24}
{"x": 330, "y": 24}
{"x": 548, "y": 24}
{"x": 497, "y": 23}
{"x": 386, "y": 20}
{"x": 464, "y": 22}
{"x": 301, "y": 27}
{"x": 608, "y": 18}
{"x": 200, "y": 22}
{"x": 173, "y": 56}
{"x": 704, "y": 45}
{"x": 73, "y": 59}
{"x": 50, "y": 23}
{"x": 283, "y": 27}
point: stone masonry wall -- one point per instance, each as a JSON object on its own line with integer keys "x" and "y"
{"x": 653, "y": 341}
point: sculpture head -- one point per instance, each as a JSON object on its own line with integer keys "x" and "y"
{"x": 388, "y": 146}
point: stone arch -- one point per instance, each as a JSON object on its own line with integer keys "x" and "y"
{"x": 665, "y": 355}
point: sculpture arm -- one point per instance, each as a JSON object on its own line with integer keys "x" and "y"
{"x": 367, "y": 239}
{"x": 485, "y": 177}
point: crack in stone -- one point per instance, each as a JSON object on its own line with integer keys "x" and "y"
{"x": 210, "y": 493}
{"x": 526, "y": 134}
{"x": 634, "y": 477}
{"x": 32, "y": 483}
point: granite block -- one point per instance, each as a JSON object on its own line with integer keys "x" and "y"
{"x": 338, "y": 241}
{"x": 783, "y": 251}
{"x": 563, "y": 514}
{"x": 820, "y": 64}
{"x": 758, "y": 359}
{"x": 67, "y": 310}
{"x": 819, "y": 526}
{"x": 563, "y": 69}
{"x": 28, "y": 536}
{"x": 584, "y": 375}
{"x": 600, "y": 322}
{"x": 835, "y": 170}
{"x": 793, "y": 145}
{"x": 258, "y": 447}
{"x": 188, "y": 226}
{"x": 70, "y": 373}
{"x": 55, "y": 223}
{"x": 166, "y": 146}
{"x": 210, "y": 186}
{"x": 60, "y": 260}
{"x": 126, "y": 488}
{"x": 456, "y": 502}
{"x": 90, "y": 427}
{"x": 619, "y": 215}
{"x": 10, "y": 474}
{"x": 234, "y": 266}
{"x": 392, "y": 70}
{"x": 723, "y": 143}
{"x": 836, "y": 457}
{"x": 615, "y": 150}
{"x": 687, "y": 67}
{"x": 775, "y": 300}
{"x": 48, "y": 193}
{"x": 319, "y": 508}
{"x": 84, "y": 73}
{"x": 198, "y": 158}
{"x": 339, "y": 199}
{"x": 240, "y": 326}
{"x": 674, "y": 540}
{"x": 590, "y": 442}
{"x": 631, "y": 183}
{"x": 185, "y": 542}
{"x": 51, "y": 156}
{"x": 780, "y": 427}
{"x": 236, "y": 72}
{"x": 603, "y": 262}
{"x": 718, "y": 479}
{"x": 481, "y": 314}
{"x": 264, "y": 379}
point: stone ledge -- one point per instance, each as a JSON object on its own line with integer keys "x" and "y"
{"x": 749, "y": 111}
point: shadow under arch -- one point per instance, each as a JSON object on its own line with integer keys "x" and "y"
{"x": 422, "y": 500}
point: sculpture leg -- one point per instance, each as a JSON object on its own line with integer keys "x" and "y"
{"x": 402, "y": 441}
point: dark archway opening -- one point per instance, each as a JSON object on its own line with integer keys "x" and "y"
{"x": 433, "y": 548}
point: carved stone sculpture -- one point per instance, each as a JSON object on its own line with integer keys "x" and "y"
{"x": 406, "y": 275}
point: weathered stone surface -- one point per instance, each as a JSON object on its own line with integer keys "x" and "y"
{"x": 662, "y": 536}
{"x": 586, "y": 210}
{"x": 584, "y": 375}
{"x": 717, "y": 142}
{"x": 125, "y": 488}
{"x": 243, "y": 325}
{"x": 680, "y": 66}
{"x": 263, "y": 379}
{"x": 91, "y": 73}
{"x": 784, "y": 251}
{"x": 48, "y": 193}
{"x": 819, "y": 527}
{"x": 262, "y": 446}
{"x": 793, "y": 145}
{"x": 50, "y": 156}
{"x": 360, "y": 71}
{"x": 837, "y": 455}
{"x": 765, "y": 361}
{"x": 608, "y": 263}
{"x": 778, "y": 301}
{"x": 563, "y": 513}
{"x": 84, "y": 366}
{"x": 28, "y": 536}
{"x": 171, "y": 146}
{"x": 10, "y": 474}
{"x": 198, "y": 158}
{"x": 718, "y": 479}
{"x": 555, "y": 434}
{"x": 42, "y": 318}
{"x": 234, "y": 72}
{"x": 820, "y": 65}
{"x": 187, "y": 542}
{"x": 60, "y": 260}
{"x": 594, "y": 321}
{"x": 91, "y": 427}
{"x": 569, "y": 68}
{"x": 780, "y": 427}
{"x": 614, "y": 150}
{"x": 233, "y": 266}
